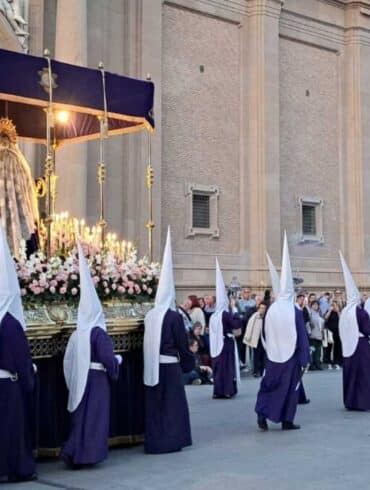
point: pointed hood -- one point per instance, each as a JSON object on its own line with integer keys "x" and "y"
{"x": 348, "y": 326}
{"x": 274, "y": 276}
{"x": 10, "y": 293}
{"x": 216, "y": 335}
{"x": 165, "y": 299}
{"x": 77, "y": 357}
{"x": 280, "y": 327}
{"x": 286, "y": 280}
{"x": 353, "y": 295}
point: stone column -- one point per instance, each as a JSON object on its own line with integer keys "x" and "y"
{"x": 353, "y": 158}
{"x": 71, "y": 160}
{"x": 262, "y": 139}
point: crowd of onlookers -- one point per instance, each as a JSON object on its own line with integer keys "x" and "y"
{"x": 321, "y": 315}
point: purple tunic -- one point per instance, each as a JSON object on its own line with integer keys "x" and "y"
{"x": 88, "y": 439}
{"x": 16, "y": 459}
{"x": 356, "y": 375}
{"x": 167, "y": 421}
{"x": 279, "y": 391}
{"x": 224, "y": 375}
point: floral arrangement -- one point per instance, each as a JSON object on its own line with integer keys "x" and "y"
{"x": 56, "y": 279}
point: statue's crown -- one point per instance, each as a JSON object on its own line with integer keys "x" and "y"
{"x": 7, "y": 129}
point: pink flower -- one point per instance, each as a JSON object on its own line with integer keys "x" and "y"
{"x": 105, "y": 284}
{"x": 74, "y": 277}
{"x": 53, "y": 283}
{"x": 23, "y": 292}
{"x": 121, "y": 289}
{"x": 74, "y": 291}
{"x": 52, "y": 289}
{"x": 149, "y": 290}
{"x": 107, "y": 290}
{"x": 114, "y": 286}
{"x": 130, "y": 291}
{"x": 63, "y": 290}
{"x": 96, "y": 279}
{"x": 145, "y": 287}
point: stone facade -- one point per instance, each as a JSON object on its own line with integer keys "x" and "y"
{"x": 267, "y": 100}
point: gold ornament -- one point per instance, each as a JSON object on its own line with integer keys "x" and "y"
{"x": 7, "y": 129}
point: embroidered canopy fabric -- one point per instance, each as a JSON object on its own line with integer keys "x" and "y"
{"x": 79, "y": 91}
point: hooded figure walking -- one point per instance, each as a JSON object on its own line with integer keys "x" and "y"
{"x": 288, "y": 355}
{"x": 16, "y": 377}
{"x": 166, "y": 357}
{"x": 354, "y": 331}
{"x": 223, "y": 327}
{"x": 89, "y": 364}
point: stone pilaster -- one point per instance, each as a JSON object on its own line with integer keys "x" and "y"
{"x": 353, "y": 158}
{"x": 71, "y": 160}
{"x": 262, "y": 144}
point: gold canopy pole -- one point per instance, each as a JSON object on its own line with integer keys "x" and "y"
{"x": 49, "y": 161}
{"x": 149, "y": 182}
{"x": 103, "y": 121}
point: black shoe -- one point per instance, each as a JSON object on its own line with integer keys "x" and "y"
{"x": 305, "y": 402}
{"x": 262, "y": 424}
{"x": 289, "y": 426}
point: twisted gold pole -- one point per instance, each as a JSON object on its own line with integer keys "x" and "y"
{"x": 149, "y": 182}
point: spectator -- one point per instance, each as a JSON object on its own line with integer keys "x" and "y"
{"x": 246, "y": 305}
{"x": 200, "y": 374}
{"x": 316, "y": 327}
{"x": 203, "y": 346}
{"x": 332, "y": 324}
{"x": 209, "y": 308}
{"x": 267, "y": 299}
{"x": 196, "y": 313}
{"x": 253, "y": 338}
{"x": 184, "y": 311}
{"x": 338, "y": 297}
{"x": 201, "y": 303}
{"x": 324, "y": 303}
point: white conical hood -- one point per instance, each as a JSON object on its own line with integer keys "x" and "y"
{"x": 352, "y": 293}
{"x": 280, "y": 327}
{"x": 348, "y": 326}
{"x": 286, "y": 280}
{"x": 274, "y": 276}
{"x": 216, "y": 335}
{"x": 165, "y": 299}
{"x": 10, "y": 293}
{"x": 77, "y": 357}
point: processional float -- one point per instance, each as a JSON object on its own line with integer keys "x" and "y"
{"x": 33, "y": 92}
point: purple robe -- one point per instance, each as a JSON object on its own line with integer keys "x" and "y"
{"x": 224, "y": 375}
{"x": 356, "y": 373}
{"x": 167, "y": 421}
{"x": 278, "y": 396}
{"x": 16, "y": 459}
{"x": 88, "y": 439}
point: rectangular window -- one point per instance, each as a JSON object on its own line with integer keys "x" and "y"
{"x": 201, "y": 208}
{"x": 201, "y": 211}
{"x": 309, "y": 219}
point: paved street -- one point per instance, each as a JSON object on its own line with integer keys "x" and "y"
{"x": 332, "y": 451}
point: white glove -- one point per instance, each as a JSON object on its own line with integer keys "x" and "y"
{"x": 119, "y": 358}
{"x": 34, "y": 368}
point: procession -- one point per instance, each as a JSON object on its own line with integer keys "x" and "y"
{"x": 184, "y": 244}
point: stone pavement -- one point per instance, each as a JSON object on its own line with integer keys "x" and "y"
{"x": 331, "y": 451}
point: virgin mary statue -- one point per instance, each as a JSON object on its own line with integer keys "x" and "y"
{"x": 18, "y": 201}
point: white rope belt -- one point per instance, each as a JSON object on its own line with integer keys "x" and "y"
{"x": 8, "y": 375}
{"x": 97, "y": 366}
{"x": 230, "y": 335}
{"x": 168, "y": 359}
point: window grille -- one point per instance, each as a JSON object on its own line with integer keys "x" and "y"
{"x": 201, "y": 211}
